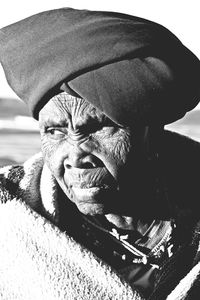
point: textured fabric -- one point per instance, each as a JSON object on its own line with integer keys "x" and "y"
{"x": 38, "y": 261}
{"x": 132, "y": 69}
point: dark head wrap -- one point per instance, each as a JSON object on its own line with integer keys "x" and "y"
{"x": 132, "y": 69}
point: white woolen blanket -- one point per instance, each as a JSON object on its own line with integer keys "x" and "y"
{"x": 38, "y": 261}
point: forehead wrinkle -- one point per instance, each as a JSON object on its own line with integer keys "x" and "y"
{"x": 80, "y": 110}
{"x": 65, "y": 103}
{"x": 53, "y": 113}
{"x": 72, "y": 109}
{"x": 64, "y": 109}
{"x": 54, "y": 119}
{"x": 87, "y": 112}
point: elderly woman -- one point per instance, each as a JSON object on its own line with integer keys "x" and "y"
{"x": 109, "y": 210}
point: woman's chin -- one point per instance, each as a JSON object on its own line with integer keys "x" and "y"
{"x": 92, "y": 201}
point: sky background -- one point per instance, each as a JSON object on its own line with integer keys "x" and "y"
{"x": 181, "y": 17}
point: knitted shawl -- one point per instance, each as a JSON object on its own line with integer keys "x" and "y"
{"x": 39, "y": 261}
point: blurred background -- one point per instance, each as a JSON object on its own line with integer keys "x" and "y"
{"x": 19, "y": 135}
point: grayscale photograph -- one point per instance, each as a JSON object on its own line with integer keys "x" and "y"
{"x": 99, "y": 150}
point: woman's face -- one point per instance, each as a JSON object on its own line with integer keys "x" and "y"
{"x": 87, "y": 153}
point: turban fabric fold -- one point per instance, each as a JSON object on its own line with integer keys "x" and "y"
{"x": 134, "y": 70}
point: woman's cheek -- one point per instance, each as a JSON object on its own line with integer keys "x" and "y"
{"x": 53, "y": 155}
{"x": 116, "y": 147}
{"x": 113, "y": 151}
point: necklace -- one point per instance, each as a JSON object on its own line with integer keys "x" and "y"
{"x": 152, "y": 258}
{"x": 136, "y": 254}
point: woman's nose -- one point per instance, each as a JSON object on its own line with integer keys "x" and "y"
{"x": 78, "y": 158}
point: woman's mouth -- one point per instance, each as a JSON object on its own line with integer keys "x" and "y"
{"x": 91, "y": 190}
{"x": 93, "y": 200}
{"x": 95, "y": 194}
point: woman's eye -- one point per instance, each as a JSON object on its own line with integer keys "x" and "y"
{"x": 55, "y": 133}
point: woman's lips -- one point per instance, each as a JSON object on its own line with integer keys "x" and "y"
{"x": 94, "y": 194}
{"x": 92, "y": 190}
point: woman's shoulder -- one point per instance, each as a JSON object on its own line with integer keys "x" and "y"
{"x": 177, "y": 144}
{"x": 12, "y": 177}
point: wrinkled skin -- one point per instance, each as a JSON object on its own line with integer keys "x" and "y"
{"x": 91, "y": 158}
